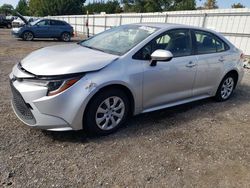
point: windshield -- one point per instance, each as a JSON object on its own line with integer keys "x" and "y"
{"x": 119, "y": 40}
{"x": 35, "y": 22}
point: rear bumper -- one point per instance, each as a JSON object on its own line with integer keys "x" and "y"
{"x": 241, "y": 75}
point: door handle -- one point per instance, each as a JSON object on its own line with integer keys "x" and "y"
{"x": 190, "y": 64}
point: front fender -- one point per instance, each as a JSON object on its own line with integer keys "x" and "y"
{"x": 93, "y": 89}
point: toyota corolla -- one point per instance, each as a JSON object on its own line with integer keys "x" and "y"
{"x": 97, "y": 83}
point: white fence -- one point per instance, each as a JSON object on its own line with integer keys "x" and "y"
{"x": 232, "y": 23}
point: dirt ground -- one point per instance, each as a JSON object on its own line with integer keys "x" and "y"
{"x": 202, "y": 144}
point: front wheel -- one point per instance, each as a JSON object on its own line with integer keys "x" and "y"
{"x": 28, "y": 36}
{"x": 106, "y": 112}
{"x": 226, "y": 88}
{"x": 9, "y": 26}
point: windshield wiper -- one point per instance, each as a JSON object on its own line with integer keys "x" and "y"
{"x": 93, "y": 48}
{"x": 105, "y": 51}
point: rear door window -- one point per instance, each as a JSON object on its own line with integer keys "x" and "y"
{"x": 207, "y": 43}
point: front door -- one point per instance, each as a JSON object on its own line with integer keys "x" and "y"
{"x": 169, "y": 81}
{"x": 42, "y": 29}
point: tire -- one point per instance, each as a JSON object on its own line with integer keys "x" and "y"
{"x": 9, "y": 26}
{"x": 226, "y": 88}
{"x": 28, "y": 36}
{"x": 66, "y": 37}
{"x": 101, "y": 120}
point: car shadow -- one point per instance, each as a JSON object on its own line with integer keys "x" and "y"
{"x": 162, "y": 119}
{"x": 52, "y": 40}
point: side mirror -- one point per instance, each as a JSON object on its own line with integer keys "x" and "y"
{"x": 160, "y": 55}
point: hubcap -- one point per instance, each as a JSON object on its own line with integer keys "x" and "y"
{"x": 227, "y": 88}
{"x": 110, "y": 113}
{"x": 28, "y": 36}
{"x": 66, "y": 37}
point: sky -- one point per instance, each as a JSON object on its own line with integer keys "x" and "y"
{"x": 221, "y": 3}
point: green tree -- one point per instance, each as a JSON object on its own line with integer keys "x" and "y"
{"x": 141, "y": 5}
{"x": 22, "y": 7}
{"x": 152, "y": 6}
{"x": 109, "y": 7}
{"x": 113, "y": 7}
{"x": 157, "y": 5}
{"x": 55, "y": 7}
{"x": 6, "y": 9}
{"x": 33, "y": 4}
{"x": 210, "y": 4}
{"x": 237, "y": 5}
{"x": 184, "y": 5}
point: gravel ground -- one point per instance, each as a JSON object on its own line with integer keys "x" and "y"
{"x": 202, "y": 144}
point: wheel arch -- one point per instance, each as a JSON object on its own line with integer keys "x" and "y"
{"x": 61, "y": 35}
{"x": 119, "y": 86}
{"x": 64, "y": 32}
{"x": 226, "y": 73}
{"x": 28, "y": 30}
{"x": 235, "y": 74}
{"x": 232, "y": 73}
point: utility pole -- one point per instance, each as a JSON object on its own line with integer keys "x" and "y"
{"x": 87, "y": 23}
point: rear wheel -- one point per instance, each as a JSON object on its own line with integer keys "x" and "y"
{"x": 65, "y": 37}
{"x": 28, "y": 36}
{"x": 106, "y": 112}
{"x": 226, "y": 88}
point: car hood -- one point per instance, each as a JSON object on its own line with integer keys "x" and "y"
{"x": 66, "y": 59}
{"x": 22, "y": 18}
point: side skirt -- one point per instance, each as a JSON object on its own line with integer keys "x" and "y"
{"x": 176, "y": 103}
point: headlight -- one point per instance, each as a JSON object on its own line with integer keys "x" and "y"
{"x": 55, "y": 86}
{"x": 16, "y": 30}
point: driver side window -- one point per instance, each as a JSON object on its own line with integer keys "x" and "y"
{"x": 176, "y": 41}
{"x": 43, "y": 23}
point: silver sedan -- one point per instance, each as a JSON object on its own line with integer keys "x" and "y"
{"x": 97, "y": 83}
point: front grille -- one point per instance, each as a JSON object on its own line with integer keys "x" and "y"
{"x": 21, "y": 108}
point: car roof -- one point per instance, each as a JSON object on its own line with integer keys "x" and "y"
{"x": 166, "y": 26}
{"x": 173, "y": 26}
{"x": 159, "y": 25}
{"x": 51, "y": 19}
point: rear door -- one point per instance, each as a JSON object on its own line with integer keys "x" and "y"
{"x": 211, "y": 55}
{"x": 56, "y": 28}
